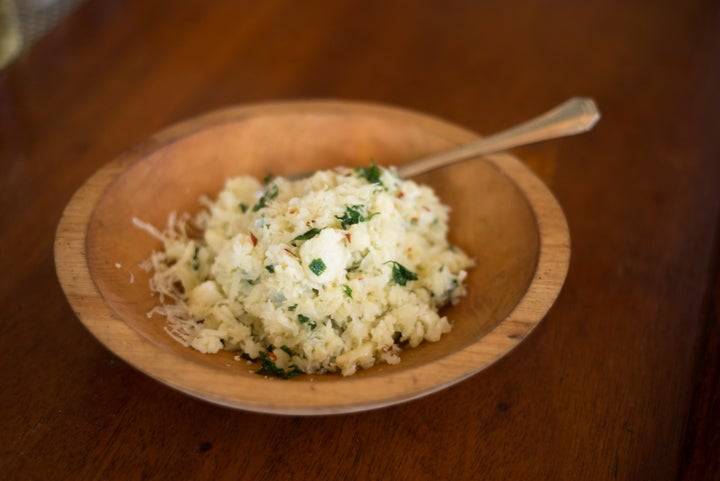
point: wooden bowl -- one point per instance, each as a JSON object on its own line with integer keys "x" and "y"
{"x": 502, "y": 215}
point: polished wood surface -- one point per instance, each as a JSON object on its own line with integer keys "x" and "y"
{"x": 620, "y": 381}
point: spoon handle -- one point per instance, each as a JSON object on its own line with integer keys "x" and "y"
{"x": 574, "y": 116}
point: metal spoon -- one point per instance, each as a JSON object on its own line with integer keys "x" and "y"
{"x": 574, "y": 116}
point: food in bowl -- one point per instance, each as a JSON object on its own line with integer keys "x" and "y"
{"x": 330, "y": 273}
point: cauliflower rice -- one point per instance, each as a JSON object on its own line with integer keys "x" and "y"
{"x": 325, "y": 274}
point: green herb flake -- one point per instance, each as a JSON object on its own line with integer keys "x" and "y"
{"x": 305, "y": 320}
{"x": 372, "y": 174}
{"x": 243, "y": 207}
{"x": 269, "y": 368}
{"x": 401, "y": 274}
{"x": 317, "y": 266}
{"x": 269, "y": 195}
{"x": 351, "y": 216}
{"x": 347, "y": 290}
{"x": 292, "y": 308}
{"x": 262, "y": 203}
{"x": 308, "y": 235}
{"x": 196, "y": 261}
{"x": 287, "y": 350}
{"x": 268, "y": 178}
{"x": 270, "y": 268}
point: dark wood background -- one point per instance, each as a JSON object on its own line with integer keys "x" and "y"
{"x": 619, "y": 382}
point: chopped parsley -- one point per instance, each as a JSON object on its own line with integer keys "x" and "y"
{"x": 196, "y": 261}
{"x": 269, "y": 368}
{"x": 401, "y": 274}
{"x": 347, "y": 290}
{"x": 307, "y": 235}
{"x": 351, "y": 216}
{"x": 292, "y": 308}
{"x": 268, "y": 178}
{"x": 306, "y": 320}
{"x": 269, "y": 195}
{"x": 397, "y": 337}
{"x": 287, "y": 350}
{"x": 243, "y": 207}
{"x": 372, "y": 174}
{"x": 317, "y": 266}
{"x": 270, "y": 268}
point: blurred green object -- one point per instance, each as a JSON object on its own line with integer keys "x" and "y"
{"x": 10, "y": 32}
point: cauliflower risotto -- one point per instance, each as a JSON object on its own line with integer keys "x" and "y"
{"x": 330, "y": 273}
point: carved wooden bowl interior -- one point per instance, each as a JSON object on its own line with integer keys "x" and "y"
{"x": 501, "y": 214}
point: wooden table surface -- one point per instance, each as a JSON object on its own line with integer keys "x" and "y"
{"x": 620, "y": 381}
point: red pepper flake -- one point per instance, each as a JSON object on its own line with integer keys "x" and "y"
{"x": 426, "y": 208}
{"x": 289, "y": 252}
{"x": 292, "y": 211}
{"x": 272, "y": 355}
{"x": 414, "y": 220}
{"x": 400, "y": 195}
{"x": 348, "y": 237}
{"x": 253, "y": 239}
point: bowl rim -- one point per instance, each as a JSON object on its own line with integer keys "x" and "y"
{"x": 341, "y": 395}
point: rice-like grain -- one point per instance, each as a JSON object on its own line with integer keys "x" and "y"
{"x": 331, "y": 273}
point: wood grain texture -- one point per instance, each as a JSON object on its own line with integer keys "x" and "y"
{"x": 611, "y": 385}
